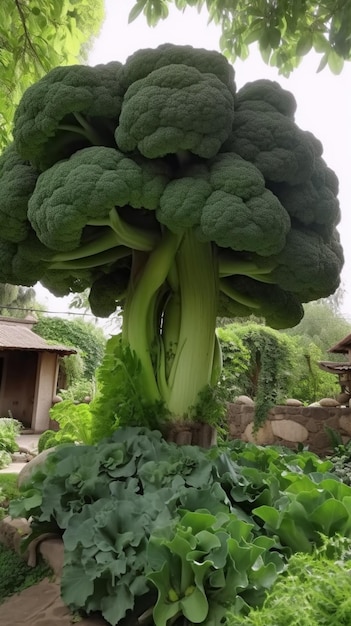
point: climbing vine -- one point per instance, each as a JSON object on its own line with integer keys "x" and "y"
{"x": 257, "y": 362}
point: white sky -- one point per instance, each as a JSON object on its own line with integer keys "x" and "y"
{"x": 324, "y": 100}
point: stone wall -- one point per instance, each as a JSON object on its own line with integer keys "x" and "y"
{"x": 291, "y": 425}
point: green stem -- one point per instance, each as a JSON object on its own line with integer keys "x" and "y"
{"x": 139, "y": 310}
{"x": 130, "y": 236}
{"x": 193, "y": 362}
{"x": 229, "y": 265}
{"x": 101, "y": 244}
{"x": 96, "y": 260}
{"x": 234, "y": 294}
{"x": 83, "y": 128}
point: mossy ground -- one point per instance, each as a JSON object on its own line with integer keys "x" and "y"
{"x": 8, "y": 491}
{"x": 16, "y": 575}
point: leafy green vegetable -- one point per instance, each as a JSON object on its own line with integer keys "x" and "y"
{"x": 179, "y": 530}
{"x": 206, "y": 564}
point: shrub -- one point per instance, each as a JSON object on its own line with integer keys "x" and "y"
{"x": 9, "y": 429}
{"x": 315, "y": 590}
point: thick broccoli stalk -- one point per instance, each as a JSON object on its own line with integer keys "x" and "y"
{"x": 167, "y": 194}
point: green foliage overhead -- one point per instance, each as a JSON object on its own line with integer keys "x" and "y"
{"x": 285, "y": 31}
{"x": 16, "y": 301}
{"x": 84, "y": 336}
{"x": 177, "y": 531}
{"x": 167, "y": 192}
{"x": 35, "y": 36}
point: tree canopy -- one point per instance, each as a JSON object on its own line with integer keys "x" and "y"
{"x": 16, "y": 301}
{"x": 285, "y": 31}
{"x": 35, "y": 36}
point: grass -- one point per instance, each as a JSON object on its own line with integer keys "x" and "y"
{"x": 8, "y": 491}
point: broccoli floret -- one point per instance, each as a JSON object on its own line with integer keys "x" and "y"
{"x": 313, "y": 202}
{"x": 68, "y": 109}
{"x": 84, "y": 190}
{"x": 228, "y": 203}
{"x": 266, "y": 95}
{"x": 175, "y": 108}
{"x": 274, "y": 144}
{"x": 308, "y": 266}
{"x": 241, "y": 296}
{"x": 144, "y": 62}
{"x": 109, "y": 291}
{"x": 17, "y": 182}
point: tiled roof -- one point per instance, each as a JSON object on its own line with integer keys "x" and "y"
{"x": 334, "y": 368}
{"x": 17, "y": 335}
{"x": 342, "y": 346}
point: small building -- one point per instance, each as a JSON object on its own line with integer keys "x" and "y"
{"x": 29, "y": 369}
{"x": 343, "y": 369}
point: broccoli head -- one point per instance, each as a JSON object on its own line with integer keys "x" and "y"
{"x": 163, "y": 190}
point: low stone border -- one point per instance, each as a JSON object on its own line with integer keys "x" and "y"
{"x": 291, "y": 425}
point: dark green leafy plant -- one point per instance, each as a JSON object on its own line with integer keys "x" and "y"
{"x": 120, "y": 400}
{"x": 120, "y": 503}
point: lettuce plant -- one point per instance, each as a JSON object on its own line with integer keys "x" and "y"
{"x": 206, "y": 564}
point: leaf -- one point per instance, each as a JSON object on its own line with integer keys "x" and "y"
{"x": 274, "y": 36}
{"x": 115, "y": 606}
{"x": 330, "y": 517}
{"x": 304, "y": 44}
{"x": 335, "y": 62}
{"x": 136, "y": 10}
{"x": 195, "y": 606}
{"x": 198, "y": 521}
{"x": 75, "y": 586}
{"x": 320, "y": 42}
{"x": 269, "y": 515}
{"x": 323, "y": 63}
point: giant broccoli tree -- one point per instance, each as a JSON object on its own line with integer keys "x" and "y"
{"x": 172, "y": 195}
